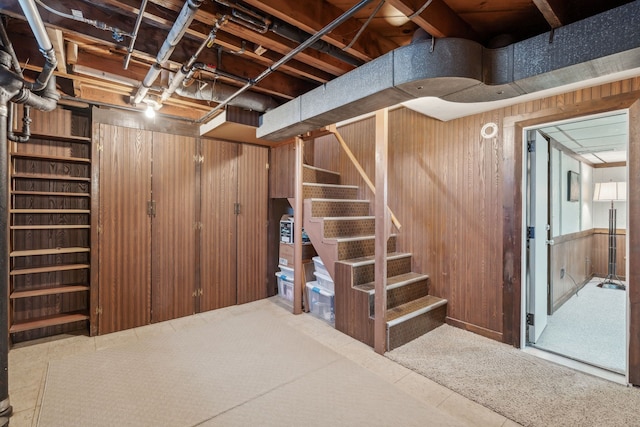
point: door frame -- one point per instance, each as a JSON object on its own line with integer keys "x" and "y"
{"x": 512, "y": 132}
{"x": 541, "y": 236}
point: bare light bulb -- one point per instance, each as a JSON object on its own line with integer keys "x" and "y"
{"x": 150, "y": 112}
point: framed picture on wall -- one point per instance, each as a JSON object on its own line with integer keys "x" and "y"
{"x": 573, "y": 186}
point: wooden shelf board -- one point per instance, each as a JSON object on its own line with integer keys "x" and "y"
{"x": 49, "y": 193}
{"x": 39, "y": 156}
{"x": 43, "y": 322}
{"x": 50, "y": 177}
{"x": 50, "y": 211}
{"x": 49, "y": 227}
{"x": 50, "y": 291}
{"x": 48, "y": 269}
{"x": 51, "y": 251}
{"x": 63, "y": 138}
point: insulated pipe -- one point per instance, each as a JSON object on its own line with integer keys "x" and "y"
{"x": 219, "y": 92}
{"x": 327, "y": 29}
{"x": 184, "y": 71}
{"x": 44, "y": 43}
{"x": 176, "y": 33}
{"x": 298, "y": 36}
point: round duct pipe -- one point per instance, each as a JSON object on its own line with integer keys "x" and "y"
{"x": 219, "y": 92}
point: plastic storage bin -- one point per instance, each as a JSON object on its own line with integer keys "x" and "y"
{"x": 320, "y": 268}
{"x": 285, "y": 287}
{"x": 321, "y": 302}
{"x": 324, "y": 281}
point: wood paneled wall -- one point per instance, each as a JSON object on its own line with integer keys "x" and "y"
{"x": 571, "y": 253}
{"x": 600, "y": 253}
{"x": 458, "y": 197}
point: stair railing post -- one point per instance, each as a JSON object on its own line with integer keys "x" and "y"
{"x": 382, "y": 216}
{"x": 298, "y": 273}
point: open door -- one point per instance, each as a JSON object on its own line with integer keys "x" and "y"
{"x": 537, "y": 234}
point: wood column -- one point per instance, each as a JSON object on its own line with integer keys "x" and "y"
{"x": 382, "y": 231}
{"x": 633, "y": 238}
{"x": 298, "y": 274}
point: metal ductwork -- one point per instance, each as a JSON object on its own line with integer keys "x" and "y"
{"x": 219, "y": 92}
{"x": 463, "y": 71}
{"x": 176, "y": 33}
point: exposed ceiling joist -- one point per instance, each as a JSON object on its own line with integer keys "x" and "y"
{"x": 436, "y": 18}
{"x": 553, "y": 11}
{"x": 316, "y": 15}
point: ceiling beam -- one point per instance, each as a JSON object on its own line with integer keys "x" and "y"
{"x": 199, "y": 29}
{"x": 316, "y": 15}
{"x": 554, "y": 11}
{"x": 436, "y": 19}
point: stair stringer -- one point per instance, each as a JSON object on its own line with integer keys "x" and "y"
{"x": 326, "y": 248}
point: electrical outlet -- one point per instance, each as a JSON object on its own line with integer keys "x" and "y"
{"x": 562, "y": 271}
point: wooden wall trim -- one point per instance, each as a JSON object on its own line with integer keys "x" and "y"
{"x": 488, "y": 333}
{"x": 574, "y": 236}
{"x": 633, "y": 233}
{"x": 512, "y": 235}
{"x": 128, "y": 119}
{"x": 513, "y": 127}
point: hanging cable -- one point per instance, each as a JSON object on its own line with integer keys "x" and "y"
{"x": 361, "y": 30}
{"x": 116, "y": 33}
{"x": 419, "y": 11}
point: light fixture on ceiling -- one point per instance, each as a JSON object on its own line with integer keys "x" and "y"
{"x": 150, "y": 112}
{"x": 611, "y": 192}
{"x": 152, "y": 107}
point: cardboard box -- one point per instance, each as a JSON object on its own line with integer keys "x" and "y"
{"x": 286, "y": 253}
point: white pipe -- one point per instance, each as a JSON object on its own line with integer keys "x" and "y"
{"x": 35, "y": 22}
{"x": 176, "y": 33}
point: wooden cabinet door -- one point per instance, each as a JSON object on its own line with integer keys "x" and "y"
{"x": 253, "y": 196}
{"x": 218, "y": 238}
{"x": 124, "y": 242}
{"x": 173, "y": 248}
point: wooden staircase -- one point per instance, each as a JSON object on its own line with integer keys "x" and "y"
{"x": 343, "y": 233}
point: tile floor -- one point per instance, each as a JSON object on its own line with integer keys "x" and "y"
{"x": 28, "y": 364}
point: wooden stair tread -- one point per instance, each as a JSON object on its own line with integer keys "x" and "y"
{"x": 348, "y": 218}
{"x": 353, "y": 238}
{"x": 48, "y": 193}
{"x": 340, "y": 200}
{"x": 43, "y": 322}
{"x": 321, "y": 170}
{"x": 49, "y": 291}
{"x": 319, "y": 184}
{"x": 357, "y": 262}
{"x": 413, "y": 308}
{"x": 394, "y": 281}
{"x": 50, "y": 211}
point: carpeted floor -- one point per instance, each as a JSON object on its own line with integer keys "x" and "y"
{"x": 590, "y": 327}
{"x": 524, "y": 388}
{"x": 247, "y": 369}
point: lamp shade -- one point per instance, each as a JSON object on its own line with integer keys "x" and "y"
{"x": 610, "y": 192}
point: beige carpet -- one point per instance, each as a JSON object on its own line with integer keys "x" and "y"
{"x": 248, "y": 369}
{"x": 524, "y": 388}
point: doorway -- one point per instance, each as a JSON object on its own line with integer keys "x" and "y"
{"x": 567, "y": 242}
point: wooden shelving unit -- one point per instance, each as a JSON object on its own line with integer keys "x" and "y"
{"x": 50, "y": 207}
